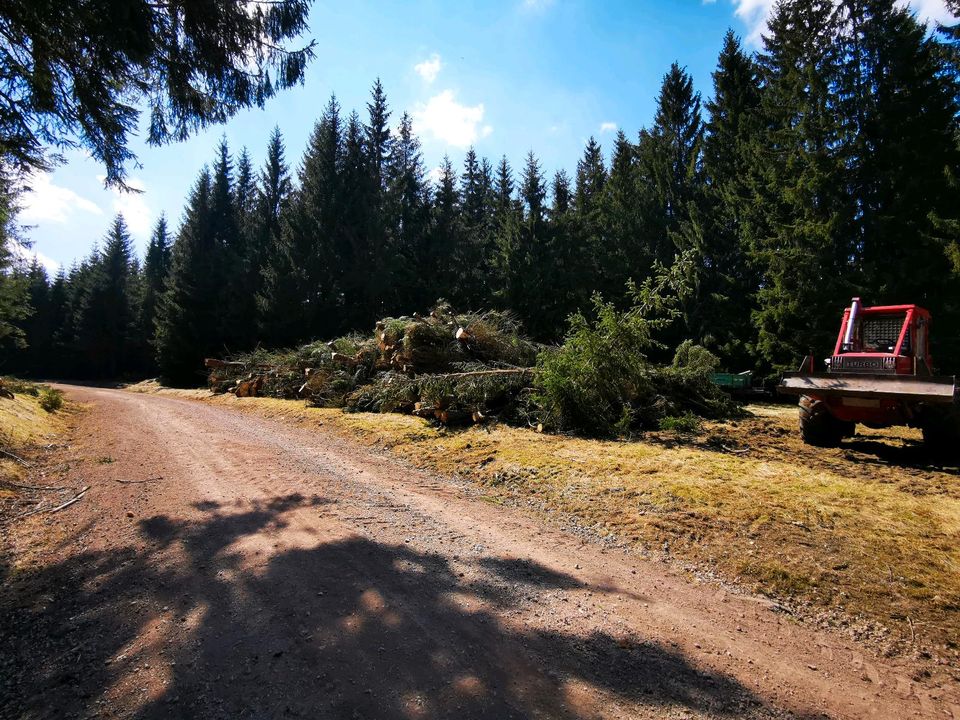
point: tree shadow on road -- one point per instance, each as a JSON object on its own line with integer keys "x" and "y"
{"x": 348, "y": 628}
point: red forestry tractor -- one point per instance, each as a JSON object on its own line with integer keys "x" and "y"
{"x": 880, "y": 375}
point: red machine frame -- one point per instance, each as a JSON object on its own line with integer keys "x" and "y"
{"x": 882, "y": 412}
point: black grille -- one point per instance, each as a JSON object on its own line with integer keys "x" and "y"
{"x": 880, "y": 333}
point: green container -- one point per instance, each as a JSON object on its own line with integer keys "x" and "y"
{"x": 732, "y": 381}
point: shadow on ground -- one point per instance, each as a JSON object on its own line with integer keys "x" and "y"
{"x": 350, "y": 628}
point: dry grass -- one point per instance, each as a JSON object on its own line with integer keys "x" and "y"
{"x": 867, "y": 535}
{"x": 24, "y": 425}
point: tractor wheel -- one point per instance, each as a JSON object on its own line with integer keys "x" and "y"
{"x": 818, "y": 426}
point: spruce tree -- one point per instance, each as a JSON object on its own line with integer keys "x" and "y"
{"x": 799, "y": 226}
{"x": 272, "y": 196}
{"x": 14, "y": 306}
{"x": 236, "y": 304}
{"x": 569, "y": 258}
{"x": 299, "y": 280}
{"x": 58, "y": 363}
{"x": 624, "y": 209}
{"x": 106, "y": 309}
{"x": 584, "y": 235}
{"x": 188, "y": 321}
{"x": 407, "y": 220}
{"x": 718, "y": 312}
{"x": 156, "y": 268}
{"x": 446, "y": 239}
{"x": 361, "y": 269}
{"x": 899, "y": 102}
{"x": 38, "y": 329}
{"x": 524, "y": 246}
{"x": 670, "y": 155}
{"x": 378, "y": 144}
{"x": 75, "y": 72}
{"x": 475, "y": 255}
{"x": 591, "y": 177}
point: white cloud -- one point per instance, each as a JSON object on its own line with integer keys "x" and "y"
{"x": 931, "y": 11}
{"x": 134, "y": 209}
{"x": 28, "y": 254}
{"x": 444, "y": 119}
{"x": 429, "y": 69}
{"x": 46, "y": 202}
{"x": 435, "y": 174}
{"x": 755, "y": 13}
{"x": 132, "y": 206}
{"x": 606, "y": 127}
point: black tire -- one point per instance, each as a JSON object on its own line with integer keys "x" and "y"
{"x": 819, "y": 427}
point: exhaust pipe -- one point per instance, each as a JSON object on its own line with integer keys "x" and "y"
{"x": 848, "y": 335}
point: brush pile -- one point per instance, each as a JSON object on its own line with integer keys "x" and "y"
{"x": 457, "y": 368}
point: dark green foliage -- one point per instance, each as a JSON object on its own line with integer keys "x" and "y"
{"x": 475, "y": 258}
{"x": 601, "y": 380}
{"x": 800, "y": 218}
{"x": 188, "y": 317}
{"x": 718, "y": 313}
{"x": 73, "y": 71}
{"x": 299, "y": 292}
{"x": 14, "y": 305}
{"x": 156, "y": 268}
{"x": 691, "y": 356}
{"x": 899, "y": 105}
{"x": 51, "y": 399}
{"x": 106, "y": 317}
{"x": 681, "y": 424}
{"x": 670, "y": 159}
{"x": 273, "y": 193}
{"x": 407, "y": 215}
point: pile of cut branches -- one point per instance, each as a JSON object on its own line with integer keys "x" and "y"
{"x": 463, "y": 368}
{"x": 449, "y": 366}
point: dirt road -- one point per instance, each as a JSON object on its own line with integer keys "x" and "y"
{"x": 252, "y": 569}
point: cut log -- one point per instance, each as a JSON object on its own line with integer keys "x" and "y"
{"x": 250, "y": 388}
{"x": 463, "y": 335}
{"x": 344, "y": 359}
{"x": 216, "y": 364}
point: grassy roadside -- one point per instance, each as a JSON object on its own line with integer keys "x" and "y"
{"x": 865, "y": 537}
{"x": 35, "y": 416}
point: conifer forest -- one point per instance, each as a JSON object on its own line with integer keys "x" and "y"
{"x": 824, "y": 166}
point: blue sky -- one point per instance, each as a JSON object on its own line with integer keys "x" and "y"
{"x": 506, "y": 77}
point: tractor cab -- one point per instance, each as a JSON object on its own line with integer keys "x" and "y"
{"x": 883, "y": 340}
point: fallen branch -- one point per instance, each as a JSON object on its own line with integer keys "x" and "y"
{"x": 17, "y": 458}
{"x": 21, "y": 486}
{"x": 735, "y": 451}
{"x": 59, "y": 507}
{"x": 137, "y": 482}
{"x": 71, "y": 501}
{"x": 482, "y": 373}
